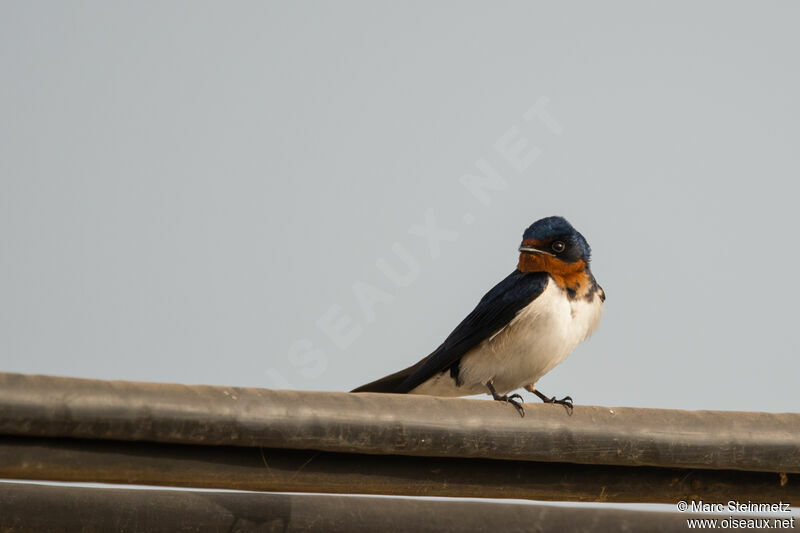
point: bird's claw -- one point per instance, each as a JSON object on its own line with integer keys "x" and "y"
{"x": 566, "y": 401}
{"x": 514, "y": 399}
{"x": 517, "y": 401}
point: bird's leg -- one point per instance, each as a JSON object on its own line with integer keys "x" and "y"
{"x": 515, "y": 399}
{"x": 566, "y": 401}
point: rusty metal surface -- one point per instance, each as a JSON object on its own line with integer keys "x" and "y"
{"x": 267, "y": 469}
{"x": 76, "y": 509}
{"x": 396, "y": 424}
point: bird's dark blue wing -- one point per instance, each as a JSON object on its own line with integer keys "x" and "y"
{"x": 493, "y": 312}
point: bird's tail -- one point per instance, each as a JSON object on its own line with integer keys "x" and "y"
{"x": 390, "y": 383}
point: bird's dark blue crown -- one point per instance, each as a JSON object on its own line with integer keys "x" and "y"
{"x": 547, "y": 228}
{"x": 557, "y": 227}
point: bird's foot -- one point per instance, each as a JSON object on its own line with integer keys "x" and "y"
{"x": 514, "y": 399}
{"x": 566, "y": 401}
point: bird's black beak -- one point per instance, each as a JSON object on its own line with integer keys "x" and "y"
{"x": 527, "y": 249}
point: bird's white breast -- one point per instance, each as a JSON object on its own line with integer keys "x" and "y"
{"x": 539, "y": 337}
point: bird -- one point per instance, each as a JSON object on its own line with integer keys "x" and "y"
{"x": 521, "y": 329}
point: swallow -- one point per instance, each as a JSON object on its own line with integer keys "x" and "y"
{"x": 520, "y": 330}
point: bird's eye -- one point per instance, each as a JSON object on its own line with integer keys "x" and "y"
{"x": 558, "y": 246}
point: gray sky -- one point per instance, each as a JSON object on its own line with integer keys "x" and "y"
{"x": 187, "y": 192}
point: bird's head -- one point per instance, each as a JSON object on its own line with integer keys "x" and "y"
{"x": 553, "y": 245}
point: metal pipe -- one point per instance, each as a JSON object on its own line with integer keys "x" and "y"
{"x": 397, "y": 424}
{"x": 29, "y": 507}
{"x": 268, "y": 469}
